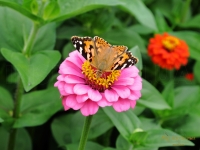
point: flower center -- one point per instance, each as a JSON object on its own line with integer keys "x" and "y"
{"x": 170, "y": 42}
{"x": 97, "y": 79}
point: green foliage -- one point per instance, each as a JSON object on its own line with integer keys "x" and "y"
{"x": 23, "y": 141}
{"x": 35, "y": 35}
{"x": 28, "y": 67}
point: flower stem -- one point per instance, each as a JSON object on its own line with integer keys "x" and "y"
{"x": 29, "y": 43}
{"x": 16, "y": 113}
{"x": 85, "y": 132}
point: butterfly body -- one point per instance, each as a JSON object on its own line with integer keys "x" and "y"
{"x": 102, "y": 55}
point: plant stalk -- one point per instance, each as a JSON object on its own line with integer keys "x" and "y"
{"x": 31, "y": 39}
{"x": 85, "y": 132}
{"x": 16, "y": 113}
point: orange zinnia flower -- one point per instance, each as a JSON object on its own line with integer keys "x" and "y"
{"x": 168, "y": 51}
{"x": 189, "y": 76}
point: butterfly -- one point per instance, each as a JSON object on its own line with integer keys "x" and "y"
{"x": 102, "y": 55}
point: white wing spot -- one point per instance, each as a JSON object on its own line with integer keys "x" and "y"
{"x": 80, "y": 42}
{"x": 75, "y": 45}
{"x": 81, "y": 50}
{"x": 124, "y": 66}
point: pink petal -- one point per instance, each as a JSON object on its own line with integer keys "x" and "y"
{"x": 89, "y": 108}
{"x": 138, "y": 93}
{"x": 56, "y": 84}
{"x": 81, "y": 89}
{"x": 69, "y": 88}
{"x": 73, "y": 79}
{"x": 137, "y": 85}
{"x": 111, "y": 95}
{"x": 129, "y": 72}
{"x": 76, "y": 58}
{"x": 94, "y": 95}
{"x": 61, "y": 77}
{"x": 121, "y": 105}
{"x": 71, "y": 69}
{"x": 138, "y": 78}
{"x": 122, "y": 91}
{"x": 103, "y": 102}
{"x": 124, "y": 81}
{"x": 134, "y": 95}
{"x": 61, "y": 88}
{"x": 71, "y": 102}
{"x": 81, "y": 98}
{"x": 65, "y": 106}
{"x": 133, "y": 103}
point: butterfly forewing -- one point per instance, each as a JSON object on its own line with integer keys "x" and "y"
{"x": 85, "y": 46}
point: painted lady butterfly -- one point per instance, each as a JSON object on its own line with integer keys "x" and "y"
{"x": 102, "y": 55}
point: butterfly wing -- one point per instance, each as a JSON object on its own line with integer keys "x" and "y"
{"x": 103, "y": 55}
{"x": 85, "y": 46}
{"x": 124, "y": 61}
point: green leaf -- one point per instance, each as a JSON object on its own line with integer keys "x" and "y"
{"x": 23, "y": 140}
{"x": 185, "y": 114}
{"x": 197, "y": 71}
{"x": 192, "y": 23}
{"x": 187, "y": 103}
{"x": 138, "y": 110}
{"x": 32, "y": 70}
{"x": 151, "y": 98}
{"x": 37, "y": 107}
{"x": 192, "y": 39}
{"x": 123, "y": 144}
{"x": 141, "y": 29}
{"x": 21, "y": 10}
{"x": 161, "y": 23}
{"x": 34, "y": 7}
{"x": 51, "y": 10}
{"x": 89, "y": 146}
{"x": 61, "y": 129}
{"x": 6, "y": 101}
{"x": 1, "y": 120}
{"x": 13, "y": 78}
{"x": 158, "y": 138}
{"x": 67, "y": 49}
{"x": 66, "y": 129}
{"x": 134, "y": 7}
{"x": 127, "y": 37}
{"x": 109, "y": 148}
{"x": 46, "y": 34}
{"x": 100, "y": 124}
{"x": 16, "y": 28}
{"x": 136, "y": 52}
{"x": 125, "y": 122}
{"x": 148, "y": 124}
{"x": 6, "y": 108}
{"x": 184, "y": 124}
{"x": 66, "y": 32}
{"x": 168, "y": 93}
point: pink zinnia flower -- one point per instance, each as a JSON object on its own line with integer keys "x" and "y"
{"x": 80, "y": 89}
